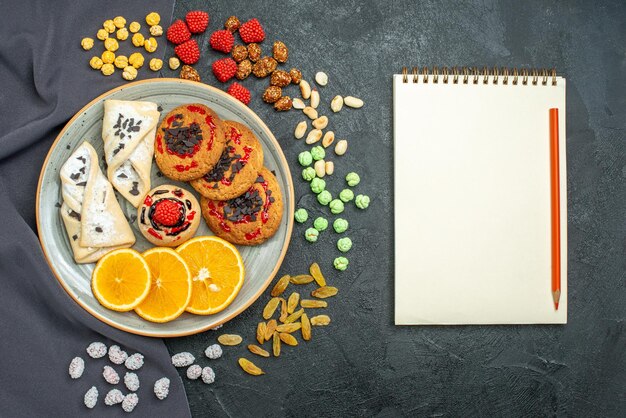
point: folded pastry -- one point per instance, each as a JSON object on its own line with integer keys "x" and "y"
{"x": 128, "y": 131}
{"x": 93, "y": 219}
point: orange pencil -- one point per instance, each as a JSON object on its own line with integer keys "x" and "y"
{"x": 556, "y": 211}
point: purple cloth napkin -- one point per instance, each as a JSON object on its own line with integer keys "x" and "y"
{"x": 45, "y": 80}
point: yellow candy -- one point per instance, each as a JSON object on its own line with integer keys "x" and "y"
{"x": 134, "y": 27}
{"x": 109, "y": 26}
{"x": 136, "y": 60}
{"x": 174, "y": 63}
{"x": 122, "y": 34}
{"x": 156, "y": 64}
{"x": 107, "y": 69}
{"x": 138, "y": 40}
{"x": 95, "y": 63}
{"x": 150, "y": 44}
{"x": 119, "y": 22}
{"x": 156, "y": 30}
{"x": 153, "y": 18}
{"x": 102, "y": 34}
{"x": 121, "y": 61}
{"x": 110, "y": 44}
{"x": 108, "y": 57}
{"x": 130, "y": 73}
{"x": 86, "y": 43}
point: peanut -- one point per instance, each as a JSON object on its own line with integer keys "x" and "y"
{"x": 341, "y": 147}
{"x": 298, "y": 104}
{"x": 321, "y": 122}
{"x": 329, "y": 138}
{"x": 321, "y": 78}
{"x": 353, "y": 102}
{"x": 310, "y": 112}
{"x": 336, "y": 104}
{"x": 320, "y": 168}
{"x": 329, "y": 167}
{"x": 315, "y": 99}
{"x": 300, "y": 128}
{"x": 314, "y": 136}
{"x": 305, "y": 89}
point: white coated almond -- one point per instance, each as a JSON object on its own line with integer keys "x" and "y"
{"x": 341, "y": 147}
{"x": 305, "y": 89}
{"x": 353, "y": 102}
{"x": 315, "y": 99}
{"x": 321, "y": 78}
{"x": 320, "y": 168}
{"x": 336, "y": 104}
{"x": 310, "y": 112}
{"x": 320, "y": 123}
{"x": 297, "y": 103}
{"x": 329, "y": 138}
{"x": 314, "y": 136}
{"x": 329, "y": 167}
{"x": 300, "y": 130}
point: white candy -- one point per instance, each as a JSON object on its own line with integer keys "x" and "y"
{"x": 130, "y": 402}
{"x": 110, "y": 375}
{"x": 194, "y": 371}
{"x": 321, "y": 78}
{"x": 213, "y": 351}
{"x": 117, "y": 355}
{"x": 134, "y": 362}
{"x": 208, "y": 375}
{"x": 131, "y": 380}
{"x": 97, "y": 350}
{"x": 183, "y": 359}
{"x": 77, "y": 367}
{"x": 162, "y": 388}
{"x": 91, "y": 397}
{"x": 113, "y": 397}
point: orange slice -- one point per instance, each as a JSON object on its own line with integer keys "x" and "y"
{"x": 217, "y": 273}
{"x": 170, "y": 289}
{"x": 121, "y": 280}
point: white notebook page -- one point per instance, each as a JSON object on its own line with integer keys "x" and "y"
{"x": 472, "y": 203}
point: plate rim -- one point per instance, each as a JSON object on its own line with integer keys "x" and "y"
{"x": 290, "y": 208}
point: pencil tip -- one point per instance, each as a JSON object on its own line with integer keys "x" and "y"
{"x": 556, "y": 296}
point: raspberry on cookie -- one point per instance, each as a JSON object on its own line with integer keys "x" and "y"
{"x": 251, "y": 218}
{"x": 189, "y": 142}
{"x": 236, "y": 169}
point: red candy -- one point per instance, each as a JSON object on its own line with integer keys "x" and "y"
{"x": 239, "y": 92}
{"x": 178, "y": 32}
{"x": 252, "y": 31}
{"x": 224, "y": 69}
{"x": 222, "y": 40}
{"x": 188, "y": 52}
{"x": 197, "y": 21}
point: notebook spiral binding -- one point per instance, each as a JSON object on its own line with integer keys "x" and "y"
{"x": 465, "y": 75}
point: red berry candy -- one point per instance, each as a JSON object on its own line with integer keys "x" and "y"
{"x": 189, "y": 52}
{"x": 178, "y": 33}
{"x": 222, "y": 40}
{"x": 224, "y": 69}
{"x": 239, "y": 92}
{"x": 197, "y": 21}
{"x": 166, "y": 212}
{"x": 252, "y": 31}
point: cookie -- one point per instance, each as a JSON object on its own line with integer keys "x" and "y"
{"x": 251, "y": 218}
{"x": 168, "y": 216}
{"x": 189, "y": 142}
{"x": 236, "y": 169}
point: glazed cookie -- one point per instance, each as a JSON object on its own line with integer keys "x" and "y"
{"x": 168, "y": 216}
{"x": 189, "y": 142}
{"x": 236, "y": 169}
{"x": 251, "y": 218}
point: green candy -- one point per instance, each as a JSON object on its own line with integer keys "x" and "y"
{"x": 301, "y": 215}
{"x": 362, "y": 201}
{"x": 311, "y": 234}
{"x": 317, "y": 185}
{"x": 320, "y": 224}
{"x": 346, "y": 195}
{"x": 308, "y": 173}
{"x": 305, "y": 158}
{"x": 341, "y": 263}
{"x": 340, "y": 225}
{"x": 344, "y": 244}
{"x": 324, "y": 197}
{"x": 352, "y": 178}
{"x": 336, "y": 207}
{"x": 318, "y": 153}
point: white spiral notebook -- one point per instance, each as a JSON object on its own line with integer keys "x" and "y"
{"x": 472, "y": 197}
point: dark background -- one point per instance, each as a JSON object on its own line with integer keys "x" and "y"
{"x": 363, "y": 365}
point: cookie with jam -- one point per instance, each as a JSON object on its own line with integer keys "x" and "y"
{"x": 251, "y": 218}
{"x": 189, "y": 142}
{"x": 236, "y": 169}
{"x": 168, "y": 216}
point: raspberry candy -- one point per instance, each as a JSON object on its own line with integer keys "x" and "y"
{"x": 224, "y": 69}
{"x": 197, "y": 21}
{"x": 242, "y": 94}
{"x": 178, "y": 32}
{"x": 188, "y": 52}
{"x": 222, "y": 40}
{"x": 252, "y": 31}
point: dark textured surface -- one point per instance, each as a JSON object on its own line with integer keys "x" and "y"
{"x": 362, "y": 365}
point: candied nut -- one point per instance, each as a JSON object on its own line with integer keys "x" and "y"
{"x": 280, "y": 78}
{"x": 174, "y": 63}
{"x": 232, "y": 24}
{"x": 336, "y": 104}
{"x": 353, "y": 102}
{"x": 320, "y": 168}
{"x": 136, "y": 60}
{"x": 109, "y": 26}
{"x": 121, "y": 61}
{"x": 329, "y": 138}
{"x": 280, "y": 51}
{"x": 314, "y": 136}
{"x": 240, "y": 53}
{"x": 122, "y": 34}
{"x": 264, "y": 67}
{"x": 102, "y": 34}
{"x": 310, "y": 112}
{"x": 86, "y": 43}
{"x": 107, "y": 69}
{"x": 189, "y": 73}
{"x": 153, "y": 18}
{"x": 130, "y": 73}
{"x": 138, "y": 39}
{"x": 320, "y": 123}
{"x": 298, "y": 104}
{"x": 244, "y": 68}
{"x": 150, "y": 44}
{"x": 156, "y": 64}
{"x": 110, "y": 44}
{"x": 108, "y": 57}
{"x": 296, "y": 75}
{"x": 254, "y": 52}
{"x": 284, "y": 103}
{"x": 305, "y": 89}
{"x": 272, "y": 94}
{"x": 119, "y": 22}
{"x": 329, "y": 167}
{"x": 321, "y": 78}
{"x": 301, "y": 127}
{"x": 134, "y": 27}
{"x": 341, "y": 147}
{"x": 315, "y": 99}
{"x": 156, "y": 30}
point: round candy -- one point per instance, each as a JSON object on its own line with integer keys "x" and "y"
{"x": 308, "y": 173}
{"x": 311, "y": 234}
{"x": 353, "y": 179}
{"x": 324, "y": 197}
{"x": 341, "y": 263}
{"x": 346, "y": 195}
{"x": 305, "y": 158}
{"x": 301, "y": 215}
{"x": 362, "y": 201}
{"x": 336, "y": 206}
{"x": 340, "y": 225}
{"x": 344, "y": 244}
{"x": 318, "y": 153}
{"x": 320, "y": 224}
{"x": 318, "y": 185}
